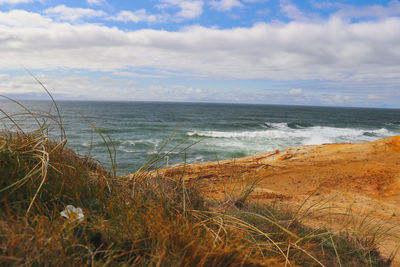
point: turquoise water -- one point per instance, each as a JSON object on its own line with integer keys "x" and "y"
{"x": 138, "y": 129}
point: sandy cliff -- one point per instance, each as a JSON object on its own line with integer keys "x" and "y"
{"x": 363, "y": 177}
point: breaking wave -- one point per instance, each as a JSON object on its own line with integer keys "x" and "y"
{"x": 304, "y": 135}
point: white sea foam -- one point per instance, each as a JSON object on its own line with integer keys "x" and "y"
{"x": 382, "y": 131}
{"x": 243, "y": 134}
{"x": 281, "y": 133}
{"x": 85, "y": 144}
{"x": 126, "y": 150}
{"x": 278, "y": 125}
{"x": 130, "y": 142}
{"x": 195, "y": 159}
{"x": 317, "y": 140}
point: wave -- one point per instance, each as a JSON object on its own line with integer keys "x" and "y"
{"x": 303, "y": 136}
{"x": 298, "y": 124}
{"x": 379, "y": 133}
{"x": 278, "y": 125}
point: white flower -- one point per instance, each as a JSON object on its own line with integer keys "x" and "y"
{"x": 72, "y": 213}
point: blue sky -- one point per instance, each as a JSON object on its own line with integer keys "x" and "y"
{"x": 340, "y": 53}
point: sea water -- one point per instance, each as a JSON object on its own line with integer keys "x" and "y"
{"x": 198, "y": 132}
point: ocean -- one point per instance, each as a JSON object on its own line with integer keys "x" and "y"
{"x": 207, "y": 131}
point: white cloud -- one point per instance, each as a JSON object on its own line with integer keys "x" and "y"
{"x": 17, "y": 19}
{"x": 65, "y": 13}
{"x": 363, "y": 54}
{"x": 14, "y": 2}
{"x": 393, "y": 9}
{"x": 68, "y": 86}
{"x": 364, "y": 11}
{"x": 105, "y": 87}
{"x": 254, "y": 1}
{"x": 138, "y": 16}
{"x": 336, "y": 99}
{"x": 225, "y": 5}
{"x": 297, "y": 92}
{"x": 291, "y": 11}
{"x": 96, "y": 2}
{"x": 376, "y": 97}
{"x": 4, "y": 77}
{"x": 189, "y": 9}
{"x": 19, "y": 84}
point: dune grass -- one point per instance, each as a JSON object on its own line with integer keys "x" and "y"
{"x": 149, "y": 220}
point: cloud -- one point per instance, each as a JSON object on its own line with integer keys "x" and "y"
{"x": 336, "y": 99}
{"x": 374, "y": 11}
{"x": 189, "y": 9}
{"x": 64, "y": 13}
{"x": 361, "y": 11}
{"x": 4, "y": 77}
{"x": 225, "y": 5}
{"x": 138, "y": 75}
{"x": 138, "y": 16}
{"x": 104, "y": 87}
{"x": 296, "y": 92}
{"x": 71, "y": 86}
{"x": 96, "y": 2}
{"x": 376, "y": 97}
{"x": 254, "y": 1}
{"x": 362, "y": 55}
{"x": 291, "y": 11}
{"x": 17, "y": 19}
{"x": 14, "y": 2}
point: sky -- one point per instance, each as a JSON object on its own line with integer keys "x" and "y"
{"x": 333, "y": 53}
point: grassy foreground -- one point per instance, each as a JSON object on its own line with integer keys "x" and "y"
{"x": 146, "y": 221}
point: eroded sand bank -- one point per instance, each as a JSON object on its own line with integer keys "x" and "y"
{"x": 362, "y": 177}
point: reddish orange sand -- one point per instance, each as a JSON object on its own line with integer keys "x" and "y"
{"x": 364, "y": 177}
